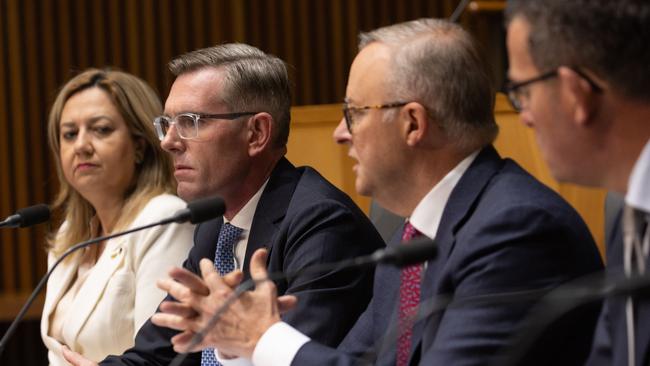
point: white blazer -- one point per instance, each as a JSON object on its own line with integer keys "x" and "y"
{"x": 120, "y": 292}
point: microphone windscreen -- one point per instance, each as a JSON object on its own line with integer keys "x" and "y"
{"x": 33, "y": 215}
{"x": 415, "y": 251}
{"x": 205, "y": 209}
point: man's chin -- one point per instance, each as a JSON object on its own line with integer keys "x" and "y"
{"x": 362, "y": 188}
{"x": 187, "y": 194}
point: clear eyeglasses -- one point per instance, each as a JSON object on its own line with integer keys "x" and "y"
{"x": 187, "y": 124}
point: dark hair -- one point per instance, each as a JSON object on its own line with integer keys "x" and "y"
{"x": 610, "y": 38}
{"x": 440, "y": 66}
{"x": 254, "y": 81}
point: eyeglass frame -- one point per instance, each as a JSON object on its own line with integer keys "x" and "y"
{"x": 511, "y": 89}
{"x": 196, "y": 117}
{"x": 348, "y": 116}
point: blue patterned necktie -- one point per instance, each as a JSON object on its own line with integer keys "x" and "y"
{"x": 224, "y": 262}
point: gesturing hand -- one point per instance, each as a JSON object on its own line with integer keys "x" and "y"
{"x": 240, "y": 326}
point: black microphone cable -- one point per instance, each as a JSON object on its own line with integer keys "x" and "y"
{"x": 416, "y": 251}
{"x": 441, "y": 302}
{"x": 562, "y": 299}
{"x": 196, "y": 211}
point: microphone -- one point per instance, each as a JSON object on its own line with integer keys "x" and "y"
{"x": 196, "y": 211}
{"x": 417, "y": 250}
{"x": 28, "y": 216}
{"x": 200, "y": 210}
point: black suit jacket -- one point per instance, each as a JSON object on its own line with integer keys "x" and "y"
{"x": 611, "y": 340}
{"x": 303, "y": 220}
{"x": 501, "y": 230}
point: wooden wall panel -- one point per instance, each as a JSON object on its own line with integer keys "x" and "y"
{"x": 44, "y": 43}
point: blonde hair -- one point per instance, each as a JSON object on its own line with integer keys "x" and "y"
{"x": 138, "y": 104}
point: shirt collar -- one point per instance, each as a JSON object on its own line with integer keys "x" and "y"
{"x": 427, "y": 214}
{"x": 244, "y": 218}
{"x": 638, "y": 190}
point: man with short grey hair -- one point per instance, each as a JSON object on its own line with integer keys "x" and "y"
{"x": 418, "y": 120}
{"x": 226, "y": 125}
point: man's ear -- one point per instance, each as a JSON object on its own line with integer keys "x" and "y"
{"x": 417, "y": 124}
{"x": 579, "y": 94}
{"x": 260, "y": 130}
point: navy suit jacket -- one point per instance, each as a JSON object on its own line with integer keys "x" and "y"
{"x": 303, "y": 220}
{"x": 610, "y": 342}
{"x": 500, "y": 231}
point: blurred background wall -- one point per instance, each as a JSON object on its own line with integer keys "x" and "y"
{"x": 45, "y": 42}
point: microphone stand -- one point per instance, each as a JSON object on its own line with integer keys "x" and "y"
{"x": 251, "y": 283}
{"x": 12, "y": 328}
{"x": 412, "y": 252}
{"x": 569, "y": 295}
{"x": 552, "y": 304}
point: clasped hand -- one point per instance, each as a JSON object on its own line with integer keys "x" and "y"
{"x": 239, "y": 327}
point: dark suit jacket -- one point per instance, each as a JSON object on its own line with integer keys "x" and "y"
{"x": 501, "y": 230}
{"x": 610, "y": 341}
{"x": 303, "y": 220}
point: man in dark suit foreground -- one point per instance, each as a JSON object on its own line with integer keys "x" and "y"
{"x": 226, "y": 125}
{"x": 419, "y": 123}
{"x": 580, "y": 75}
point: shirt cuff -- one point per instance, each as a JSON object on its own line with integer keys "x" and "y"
{"x": 237, "y": 361}
{"x": 278, "y": 346}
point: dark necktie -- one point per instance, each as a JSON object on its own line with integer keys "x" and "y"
{"x": 224, "y": 262}
{"x": 636, "y": 244}
{"x": 409, "y": 298}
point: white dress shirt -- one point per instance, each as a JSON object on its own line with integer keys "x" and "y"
{"x": 638, "y": 189}
{"x": 244, "y": 220}
{"x": 279, "y": 345}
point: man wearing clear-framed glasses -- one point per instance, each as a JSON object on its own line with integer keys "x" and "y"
{"x": 226, "y": 125}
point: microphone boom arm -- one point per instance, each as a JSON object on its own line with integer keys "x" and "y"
{"x": 21, "y": 314}
{"x": 196, "y": 211}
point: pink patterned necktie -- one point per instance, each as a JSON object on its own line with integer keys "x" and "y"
{"x": 409, "y": 298}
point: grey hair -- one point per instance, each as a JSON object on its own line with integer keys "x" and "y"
{"x": 439, "y": 65}
{"x": 610, "y": 38}
{"x": 254, "y": 81}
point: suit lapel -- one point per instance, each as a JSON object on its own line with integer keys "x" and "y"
{"x": 57, "y": 286}
{"x": 271, "y": 209}
{"x": 465, "y": 194}
{"x": 93, "y": 288}
{"x": 457, "y": 210}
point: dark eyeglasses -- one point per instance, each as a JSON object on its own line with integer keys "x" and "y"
{"x": 187, "y": 124}
{"x": 348, "y": 110}
{"x": 516, "y": 94}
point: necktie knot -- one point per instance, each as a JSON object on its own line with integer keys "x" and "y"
{"x": 409, "y": 232}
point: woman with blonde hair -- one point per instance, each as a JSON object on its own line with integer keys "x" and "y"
{"x": 113, "y": 175}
